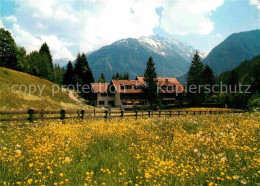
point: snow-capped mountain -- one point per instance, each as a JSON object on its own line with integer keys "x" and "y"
{"x": 165, "y": 46}
{"x": 172, "y": 58}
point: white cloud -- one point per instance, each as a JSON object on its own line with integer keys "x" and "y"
{"x": 65, "y": 12}
{"x": 186, "y": 16}
{"x": 255, "y": 2}
{"x": 11, "y": 18}
{"x": 39, "y": 25}
{"x": 91, "y": 24}
{"x": 42, "y": 8}
{"x": 218, "y": 35}
{"x": 58, "y": 47}
{"x": 118, "y": 19}
{"x": 26, "y": 39}
{"x": 1, "y": 24}
{"x": 50, "y": 9}
{"x": 31, "y": 43}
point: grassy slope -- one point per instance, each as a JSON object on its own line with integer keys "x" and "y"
{"x": 19, "y": 101}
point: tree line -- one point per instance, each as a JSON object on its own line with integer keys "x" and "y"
{"x": 198, "y": 75}
{"x": 238, "y": 88}
{"x": 247, "y": 73}
{"x": 38, "y": 63}
{"x": 80, "y": 74}
{"x": 203, "y": 88}
{"x": 116, "y": 76}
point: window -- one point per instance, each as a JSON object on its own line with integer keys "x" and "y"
{"x": 112, "y": 103}
{"x": 164, "y": 87}
{"x": 137, "y": 87}
{"x": 143, "y": 103}
{"x": 127, "y": 87}
{"x": 170, "y": 87}
{"x": 101, "y": 102}
{"x": 107, "y": 94}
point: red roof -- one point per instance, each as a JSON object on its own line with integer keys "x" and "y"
{"x": 129, "y": 86}
{"x": 166, "y": 81}
{"x": 140, "y": 79}
{"x": 124, "y": 83}
{"x": 99, "y": 87}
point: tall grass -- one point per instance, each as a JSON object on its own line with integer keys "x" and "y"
{"x": 182, "y": 150}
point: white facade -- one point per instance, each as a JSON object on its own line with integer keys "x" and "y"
{"x": 105, "y": 100}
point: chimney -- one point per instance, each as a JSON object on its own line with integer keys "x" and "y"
{"x": 166, "y": 80}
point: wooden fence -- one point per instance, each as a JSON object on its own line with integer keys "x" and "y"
{"x": 32, "y": 114}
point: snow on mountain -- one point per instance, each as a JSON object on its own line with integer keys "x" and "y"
{"x": 165, "y": 46}
{"x": 172, "y": 57}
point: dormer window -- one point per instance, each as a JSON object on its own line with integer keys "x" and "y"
{"x": 164, "y": 87}
{"x": 170, "y": 87}
{"x": 137, "y": 87}
{"x": 125, "y": 87}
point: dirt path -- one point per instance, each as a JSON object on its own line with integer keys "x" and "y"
{"x": 74, "y": 96}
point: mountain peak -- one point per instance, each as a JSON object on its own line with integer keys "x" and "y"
{"x": 172, "y": 57}
{"x": 160, "y": 45}
{"x": 163, "y": 45}
{"x": 233, "y": 50}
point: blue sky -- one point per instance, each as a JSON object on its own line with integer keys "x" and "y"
{"x": 72, "y": 26}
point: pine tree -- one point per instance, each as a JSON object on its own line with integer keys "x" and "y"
{"x": 45, "y": 49}
{"x": 256, "y": 79}
{"x": 82, "y": 73}
{"x": 58, "y": 74}
{"x": 120, "y": 76}
{"x": 150, "y": 78}
{"x": 117, "y": 75}
{"x": 8, "y": 50}
{"x": 101, "y": 79}
{"x": 113, "y": 76}
{"x": 126, "y": 76}
{"x": 194, "y": 80}
{"x": 40, "y": 66}
{"x": 32, "y": 60}
{"x": 46, "y": 71}
{"x": 22, "y": 62}
{"x": 209, "y": 78}
{"x": 233, "y": 81}
{"x": 68, "y": 75}
{"x": 87, "y": 72}
{"x": 77, "y": 78}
